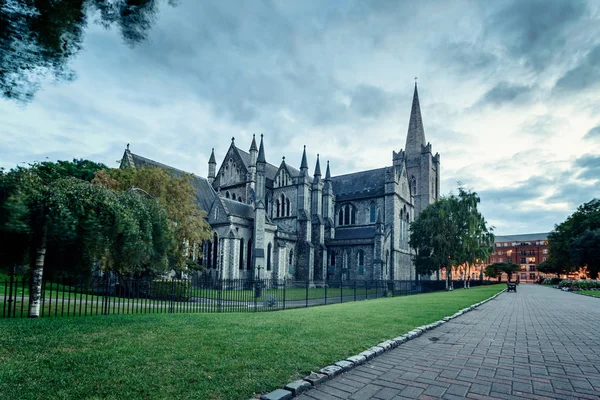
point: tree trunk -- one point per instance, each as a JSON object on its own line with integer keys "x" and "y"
{"x": 35, "y": 285}
{"x": 468, "y": 277}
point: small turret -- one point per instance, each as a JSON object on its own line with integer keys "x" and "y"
{"x": 304, "y": 164}
{"x": 212, "y": 167}
{"x": 317, "y": 174}
{"x": 253, "y": 152}
{"x": 261, "y": 153}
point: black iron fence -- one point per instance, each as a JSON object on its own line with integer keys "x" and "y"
{"x": 112, "y": 295}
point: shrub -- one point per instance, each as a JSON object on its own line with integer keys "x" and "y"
{"x": 580, "y": 284}
{"x": 168, "y": 289}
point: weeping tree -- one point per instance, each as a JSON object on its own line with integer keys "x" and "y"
{"x": 476, "y": 238}
{"x": 178, "y": 197}
{"x": 449, "y": 233}
{"x": 124, "y": 231}
{"x": 38, "y": 38}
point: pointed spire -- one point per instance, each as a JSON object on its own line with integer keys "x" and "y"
{"x": 253, "y": 145}
{"x": 416, "y": 134}
{"x": 304, "y": 163}
{"x": 317, "y": 168}
{"x": 211, "y": 160}
{"x": 327, "y": 173}
{"x": 261, "y": 152}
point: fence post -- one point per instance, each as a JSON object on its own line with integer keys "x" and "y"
{"x": 105, "y": 300}
{"x": 354, "y": 290}
{"x": 307, "y": 283}
{"x": 10, "y": 289}
{"x": 326, "y": 287}
{"x": 341, "y": 291}
{"x": 284, "y": 293}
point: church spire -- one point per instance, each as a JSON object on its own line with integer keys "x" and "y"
{"x": 304, "y": 163}
{"x": 253, "y": 144}
{"x": 317, "y": 168}
{"x": 327, "y": 173}
{"x": 416, "y": 134}
{"x": 261, "y": 152}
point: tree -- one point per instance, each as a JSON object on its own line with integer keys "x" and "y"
{"x": 492, "y": 271}
{"x": 40, "y": 37}
{"x": 176, "y": 194}
{"x": 574, "y": 243}
{"x": 476, "y": 239}
{"x": 73, "y": 219}
{"x": 508, "y": 268}
{"x": 80, "y": 169}
{"x": 449, "y": 233}
{"x": 551, "y": 267}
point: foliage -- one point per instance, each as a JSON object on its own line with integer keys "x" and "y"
{"x": 576, "y": 241}
{"x": 169, "y": 289}
{"x": 81, "y": 169}
{"x": 492, "y": 271}
{"x": 39, "y": 38}
{"x": 176, "y": 195}
{"x": 451, "y": 232}
{"x": 204, "y": 356}
{"x": 581, "y": 284}
{"x": 82, "y": 223}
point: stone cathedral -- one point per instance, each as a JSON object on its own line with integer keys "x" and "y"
{"x": 282, "y": 222}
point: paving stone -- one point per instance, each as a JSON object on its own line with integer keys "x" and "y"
{"x": 298, "y": 387}
{"x": 315, "y": 379}
{"x": 331, "y": 370}
{"x": 357, "y": 360}
{"x": 345, "y": 365}
{"x": 279, "y": 394}
{"x": 539, "y": 343}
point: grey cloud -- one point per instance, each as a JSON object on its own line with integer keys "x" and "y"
{"x": 370, "y": 101}
{"x": 536, "y": 31}
{"x": 520, "y": 191}
{"x": 585, "y": 76}
{"x": 464, "y": 57}
{"x": 505, "y": 92}
{"x": 593, "y": 133}
{"x": 590, "y": 165}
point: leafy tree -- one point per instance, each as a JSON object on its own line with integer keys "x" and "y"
{"x": 574, "y": 243}
{"x": 449, "y": 233}
{"x": 508, "y": 268}
{"x": 81, "y": 169}
{"x": 476, "y": 239}
{"x": 40, "y": 37}
{"x": 176, "y": 195}
{"x": 550, "y": 266}
{"x": 83, "y": 223}
{"x": 492, "y": 271}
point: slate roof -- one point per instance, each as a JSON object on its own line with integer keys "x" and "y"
{"x": 205, "y": 194}
{"x": 522, "y": 238}
{"x": 359, "y": 184}
{"x": 238, "y": 209}
{"x": 270, "y": 168}
{"x": 362, "y": 232}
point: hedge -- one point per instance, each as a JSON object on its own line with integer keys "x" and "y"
{"x": 171, "y": 290}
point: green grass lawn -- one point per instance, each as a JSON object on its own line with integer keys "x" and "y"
{"x": 202, "y": 356}
{"x": 595, "y": 293}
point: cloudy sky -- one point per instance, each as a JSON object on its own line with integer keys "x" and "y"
{"x": 509, "y": 91}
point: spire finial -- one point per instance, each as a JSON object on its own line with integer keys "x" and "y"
{"x": 416, "y": 80}
{"x": 327, "y": 173}
{"x": 232, "y": 139}
{"x": 127, "y": 146}
{"x": 317, "y": 168}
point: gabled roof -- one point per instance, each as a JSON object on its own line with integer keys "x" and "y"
{"x": 237, "y": 209}
{"x": 522, "y": 238}
{"x": 359, "y": 184}
{"x": 205, "y": 194}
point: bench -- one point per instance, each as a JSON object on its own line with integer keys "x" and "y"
{"x": 510, "y": 286}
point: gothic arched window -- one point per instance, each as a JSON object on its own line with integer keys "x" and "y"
{"x": 291, "y": 262}
{"x": 269, "y": 257}
{"x": 287, "y": 205}
{"x": 227, "y": 194}
{"x": 233, "y": 196}
{"x": 249, "y": 255}
{"x": 241, "y": 260}
{"x": 215, "y": 250}
{"x": 347, "y": 215}
{"x": 278, "y": 207}
{"x": 361, "y": 262}
{"x": 372, "y": 213}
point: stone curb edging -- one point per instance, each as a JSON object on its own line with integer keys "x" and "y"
{"x": 295, "y": 388}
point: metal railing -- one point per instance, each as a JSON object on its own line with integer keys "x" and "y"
{"x": 112, "y": 295}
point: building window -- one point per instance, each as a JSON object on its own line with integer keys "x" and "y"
{"x": 215, "y": 250}
{"x": 523, "y": 260}
{"x": 227, "y": 194}
{"x": 523, "y": 275}
{"x": 233, "y": 196}
{"x": 531, "y": 276}
{"x": 500, "y": 252}
{"x": 532, "y": 268}
{"x": 249, "y": 255}
{"x": 545, "y": 251}
{"x": 269, "y": 257}
{"x": 347, "y": 215}
{"x": 545, "y": 258}
{"x": 287, "y": 205}
{"x": 373, "y": 213}
{"x": 361, "y": 262}
{"x": 291, "y": 262}
{"x": 278, "y": 206}
{"x": 509, "y": 259}
{"x": 208, "y": 254}
{"x": 532, "y": 252}
{"x": 241, "y": 260}
{"x": 523, "y": 253}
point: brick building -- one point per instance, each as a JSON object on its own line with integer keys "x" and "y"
{"x": 526, "y": 250}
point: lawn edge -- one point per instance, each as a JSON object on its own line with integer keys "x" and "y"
{"x": 295, "y": 388}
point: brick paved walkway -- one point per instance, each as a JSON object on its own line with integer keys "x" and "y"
{"x": 539, "y": 343}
